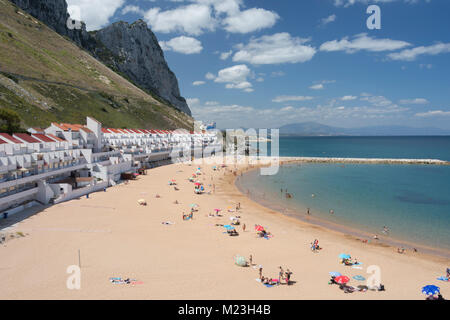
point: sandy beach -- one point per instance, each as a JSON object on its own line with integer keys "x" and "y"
{"x": 192, "y": 259}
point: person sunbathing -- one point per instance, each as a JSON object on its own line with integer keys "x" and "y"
{"x": 346, "y": 288}
{"x": 347, "y": 262}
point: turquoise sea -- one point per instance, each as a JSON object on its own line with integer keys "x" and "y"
{"x": 413, "y": 201}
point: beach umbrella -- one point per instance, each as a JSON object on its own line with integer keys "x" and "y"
{"x": 197, "y": 183}
{"x": 228, "y": 227}
{"x": 335, "y": 274}
{"x": 259, "y": 228}
{"x": 217, "y": 210}
{"x": 344, "y": 256}
{"x": 240, "y": 261}
{"x": 342, "y": 279}
{"x": 193, "y": 205}
{"x": 359, "y": 278}
{"x": 430, "y": 290}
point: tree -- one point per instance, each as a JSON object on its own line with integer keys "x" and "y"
{"x": 9, "y": 121}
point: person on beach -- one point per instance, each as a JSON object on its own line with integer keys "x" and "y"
{"x": 260, "y": 272}
{"x": 401, "y": 250}
{"x": 244, "y": 227}
{"x": 331, "y": 211}
{"x": 251, "y": 260}
{"x": 280, "y": 274}
{"x": 307, "y": 212}
{"x": 288, "y": 277}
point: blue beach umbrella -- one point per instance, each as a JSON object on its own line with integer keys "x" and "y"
{"x": 430, "y": 290}
{"x": 335, "y": 274}
{"x": 359, "y": 278}
{"x": 228, "y": 227}
{"x": 344, "y": 256}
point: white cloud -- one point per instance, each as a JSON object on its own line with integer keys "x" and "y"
{"x": 133, "y": 9}
{"x": 292, "y": 98}
{"x": 95, "y": 13}
{"x": 277, "y": 74}
{"x": 274, "y": 49}
{"x": 210, "y": 76}
{"x": 414, "y": 101}
{"x": 348, "y": 98}
{"x": 198, "y": 83}
{"x": 206, "y": 15}
{"x": 192, "y": 19}
{"x": 318, "y": 86}
{"x": 232, "y": 116}
{"x": 182, "y": 44}
{"x": 363, "y": 42}
{"x": 412, "y": 54}
{"x": 426, "y": 66}
{"x": 328, "y": 20}
{"x": 433, "y": 113}
{"x": 226, "y": 55}
{"x": 235, "y": 78}
{"x": 347, "y": 3}
{"x": 250, "y": 20}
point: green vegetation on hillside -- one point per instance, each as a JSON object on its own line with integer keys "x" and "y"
{"x": 9, "y": 121}
{"x": 44, "y": 78}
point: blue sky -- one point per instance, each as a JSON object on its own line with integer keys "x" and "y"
{"x": 267, "y": 63}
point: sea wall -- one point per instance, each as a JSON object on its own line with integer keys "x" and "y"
{"x": 364, "y": 160}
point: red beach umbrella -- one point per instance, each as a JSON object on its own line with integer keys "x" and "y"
{"x": 342, "y": 279}
{"x": 259, "y": 228}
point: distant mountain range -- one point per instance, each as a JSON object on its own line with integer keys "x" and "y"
{"x": 317, "y": 129}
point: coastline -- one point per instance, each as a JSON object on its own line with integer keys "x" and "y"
{"x": 426, "y": 252}
{"x": 190, "y": 259}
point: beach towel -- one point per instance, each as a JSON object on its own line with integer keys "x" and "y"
{"x": 443, "y": 279}
{"x": 268, "y": 285}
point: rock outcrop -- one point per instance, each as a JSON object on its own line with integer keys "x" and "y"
{"x": 131, "y": 49}
{"x": 54, "y": 14}
{"x": 137, "y": 54}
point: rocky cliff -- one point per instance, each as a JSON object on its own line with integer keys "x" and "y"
{"x": 54, "y": 14}
{"x": 132, "y": 50}
{"x": 137, "y": 54}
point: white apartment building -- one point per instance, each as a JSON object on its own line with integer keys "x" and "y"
{"x": 66, "y": 161}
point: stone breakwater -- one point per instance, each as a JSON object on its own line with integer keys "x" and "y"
{"x": 362, "y": 160}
